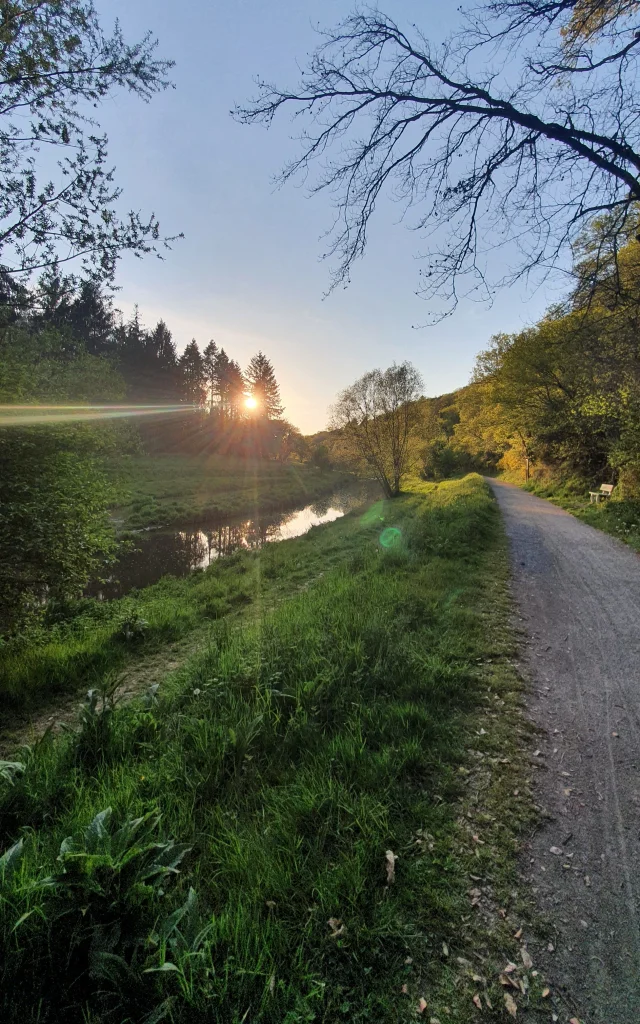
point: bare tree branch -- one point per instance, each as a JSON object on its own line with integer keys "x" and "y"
{"x": 517, "y": 130}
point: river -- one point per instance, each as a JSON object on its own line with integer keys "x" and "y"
{"x": 177, "y": 552}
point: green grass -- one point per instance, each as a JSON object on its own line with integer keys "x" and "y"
{"x": 91, "y": 640}
{"x": 156, "y": 490}
{"x": 375, "y": 710}
{"x": 620, "y": 518}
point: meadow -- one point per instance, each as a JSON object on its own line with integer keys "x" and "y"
{"x": 315, "y": 818}
{"x": 160, "y": 490}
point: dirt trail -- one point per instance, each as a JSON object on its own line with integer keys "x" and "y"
{"x": 578, "y": 592}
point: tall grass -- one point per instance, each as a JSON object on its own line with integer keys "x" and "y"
{"x": 291, "y": 761}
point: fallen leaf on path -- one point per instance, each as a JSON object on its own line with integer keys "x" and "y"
{"x": 546, "y": 992}
{"x": 477, "y": 1000}
{"x": 574, "y": 1020}
{"x": 405, "y": 990}
{"x": 422, "y": 1004}
{"x": 445, "y": 949}
{"x": 508, "y": 982}
{"x": 511, "y": 1005}
{"x": 556, "y": 851}
{"x": 336, "y": 926}
{"x": 518, "y": 934}
{"x": 390, "y": 859}
{"x": 551, "y": 948}
{"x": 510, "y": 968}
{"x": 488, "y": 1002}
{"x": 526, "y": 959}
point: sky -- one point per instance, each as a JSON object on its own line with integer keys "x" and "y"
{"x": 249, "y": 272}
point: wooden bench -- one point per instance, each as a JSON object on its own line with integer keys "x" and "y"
{"x": 604, "y": 492}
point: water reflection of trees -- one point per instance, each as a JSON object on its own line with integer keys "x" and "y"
{"x": 178, "y": 553}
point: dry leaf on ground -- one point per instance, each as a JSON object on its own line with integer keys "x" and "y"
{"x": 510, "y": 1004}
{"x": 390, "y": 859}
{"x": 477, "y": 1001}
{"x": 336, "y": 926}
{"x": 526, "y": 959}
{"x": 556, "y": 850}
{"x": 422, "y": 1004}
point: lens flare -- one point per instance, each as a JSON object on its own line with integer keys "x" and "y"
{"x": 390, "y": 536}
{"x": 30, "y": 415}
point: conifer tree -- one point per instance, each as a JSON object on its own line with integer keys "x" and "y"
{"x": 192, "y": 379}
{"x": 210, "y": 364}
{"x": 263, "y": 387}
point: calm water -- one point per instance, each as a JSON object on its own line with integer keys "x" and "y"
{"x": 161, "y": 553}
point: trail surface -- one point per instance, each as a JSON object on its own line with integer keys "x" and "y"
{"x": 578, "y": 592}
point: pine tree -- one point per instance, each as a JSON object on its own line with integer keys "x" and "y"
{"x": 192, "y": 379}
{"x": 210, "y": 364}
{"x": 263, "y": 387}
{"x": 236, "y": 389}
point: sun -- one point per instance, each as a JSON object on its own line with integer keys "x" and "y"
{"x": 251, "y": 402}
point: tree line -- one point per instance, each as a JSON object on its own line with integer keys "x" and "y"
{"x": 561, "y": 397}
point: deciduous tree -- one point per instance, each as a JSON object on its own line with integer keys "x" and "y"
{"x": 56, "y": 63}
{"x": 376, "y": 417}
{"x": 520, "y": 128}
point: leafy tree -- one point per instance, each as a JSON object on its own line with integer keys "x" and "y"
{"x": 263, "y": 387}
{"x": 518, "y": 129}
{"x": 55, "y": 62}
{"x": 55, "y": 530}
{"x": 376, "y": 417}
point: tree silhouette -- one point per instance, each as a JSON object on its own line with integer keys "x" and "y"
{"x": 519, "y": 129}
{"x": 192, "y": 378}
{"x": 263, "y": 387}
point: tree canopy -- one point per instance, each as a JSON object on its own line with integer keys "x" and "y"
{"x": 59, "y": 201}
{"x": 375, "y": 417}
{"x": 517, "y": 130}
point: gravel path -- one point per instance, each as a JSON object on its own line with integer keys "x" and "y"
{"x": 578, "y": 592}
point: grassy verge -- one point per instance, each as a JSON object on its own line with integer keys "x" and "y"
{"x": 179, "y": 489}
{"x": 315, "y": 819}
{"x": 620, "y": 518}
{"x": 92, "y": 639}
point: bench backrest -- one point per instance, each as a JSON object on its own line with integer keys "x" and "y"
{"x": 606, "y": 488}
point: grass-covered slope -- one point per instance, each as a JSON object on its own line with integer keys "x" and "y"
{"x": 158, "y": 490}
{"x": 337, "y": 771}
{"x": 618, "y": 517}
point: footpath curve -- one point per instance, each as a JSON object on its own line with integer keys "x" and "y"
{"x": 578, "y": 594}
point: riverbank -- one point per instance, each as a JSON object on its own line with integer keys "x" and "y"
{"x": 92, "y": 640}
{"x": 177, "y": 490}
{"x": 341, "y": 778}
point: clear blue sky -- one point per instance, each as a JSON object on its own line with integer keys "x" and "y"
{"x": 248, "y": 272}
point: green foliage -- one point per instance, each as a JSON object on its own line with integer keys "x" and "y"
{"x": 58, "y": 63}
{"x": 290, "y": 754}
{"x": 88, "y": 933}
{"x": 54, "y": 525}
